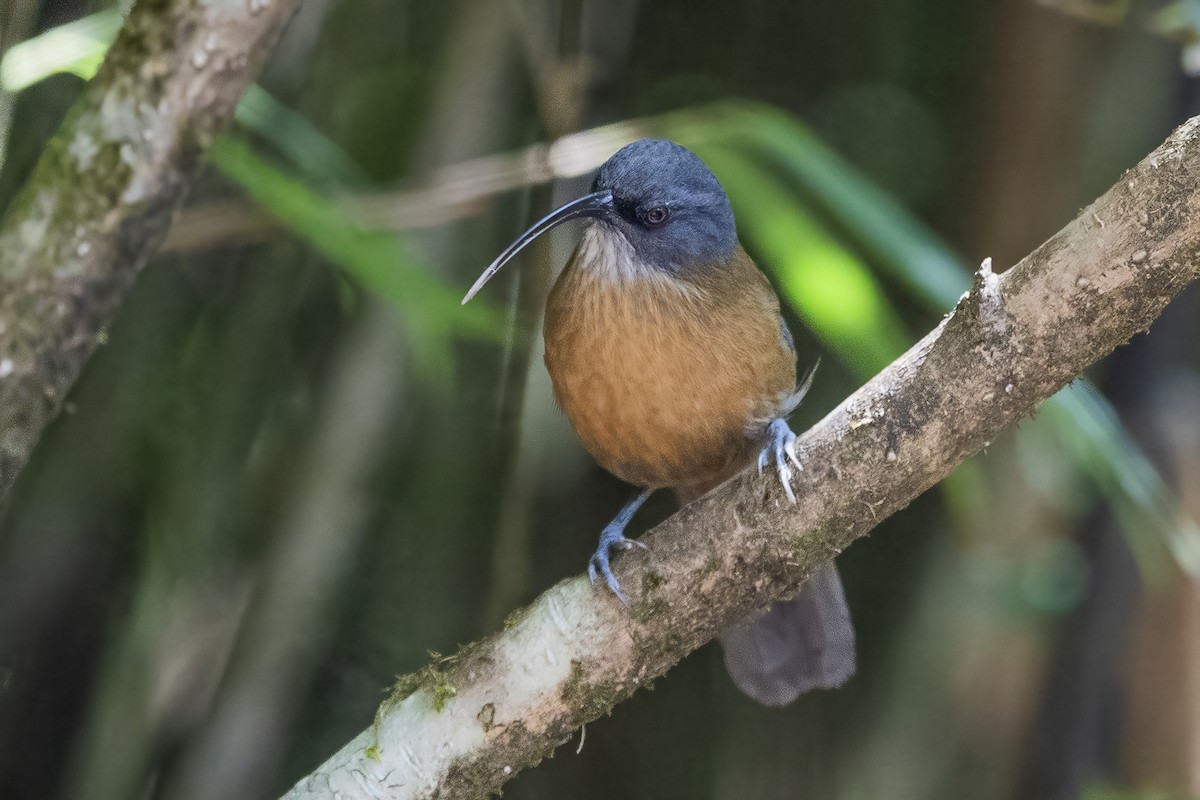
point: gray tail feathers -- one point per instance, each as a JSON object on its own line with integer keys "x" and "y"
{"x": 793, "y": 647}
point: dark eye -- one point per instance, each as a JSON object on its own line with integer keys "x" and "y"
{"x": 657, "y": 215}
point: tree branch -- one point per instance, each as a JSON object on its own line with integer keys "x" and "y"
{"x": 103, "y": 194}
{"x": 463, "y": 726}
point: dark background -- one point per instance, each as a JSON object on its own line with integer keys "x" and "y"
{"x": 296, "y": 466}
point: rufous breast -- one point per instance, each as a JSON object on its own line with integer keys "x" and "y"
{"x": 667, "y": 381}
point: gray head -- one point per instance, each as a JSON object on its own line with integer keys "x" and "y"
{"x": 660, "y": 197}
{"x": 668, "y": 204}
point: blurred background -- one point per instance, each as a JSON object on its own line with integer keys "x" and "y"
{"x": 297, "y": 466}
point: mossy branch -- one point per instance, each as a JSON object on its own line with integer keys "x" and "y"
{"x": 463, "y": 727}
{"x": 104, "y": 192}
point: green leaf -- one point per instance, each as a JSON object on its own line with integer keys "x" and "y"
{"x": 297, "y": 139}
{"x": 1087, "y": 425}
{"x": 378, "y": 261}
{"x": 877, "y": 226}
{"x": 77, "y": 48}
{"x": 830, "y": 288}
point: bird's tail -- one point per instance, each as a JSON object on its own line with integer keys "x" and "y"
{"x": 789, "y": 648}
{"x": 805, "y": 643}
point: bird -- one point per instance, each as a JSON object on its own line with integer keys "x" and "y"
{"x": 669, "y": 355}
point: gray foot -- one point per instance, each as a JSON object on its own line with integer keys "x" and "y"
{"x": 613, "y": 536}
{"x": 781, "y": 447}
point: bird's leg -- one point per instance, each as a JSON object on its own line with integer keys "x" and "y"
{"x": 612, "y": 536}
{"x": 781, "y": 445}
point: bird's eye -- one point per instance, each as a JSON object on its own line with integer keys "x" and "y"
{"x": 657, "y": 215}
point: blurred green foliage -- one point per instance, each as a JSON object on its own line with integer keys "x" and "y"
{"x": 148, "y": 535}
{"x": 430, "y": 310}
{"x": 76, "y": 47}
{"x": 786, "y": 224}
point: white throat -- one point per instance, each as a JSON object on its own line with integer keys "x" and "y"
{"x": 608, "y": 255}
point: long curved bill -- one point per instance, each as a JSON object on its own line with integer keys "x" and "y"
{"x": 596, "y": 204}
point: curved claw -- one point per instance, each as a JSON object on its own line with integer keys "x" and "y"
{"x": 614, "y": 536}
{"x": 790, "y": 449}
{"x": 781, "y": 443}
{"x": 599, "y": 563}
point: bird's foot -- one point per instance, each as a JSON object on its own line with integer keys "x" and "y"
{"x": 598, "y": 564}
{"x": 612, "y": 536}
{"x": 781, "y": 446}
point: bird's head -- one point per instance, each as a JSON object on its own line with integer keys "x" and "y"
{"x": 660, "y": 199}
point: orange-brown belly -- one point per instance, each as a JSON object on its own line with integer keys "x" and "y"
{"x": 644, "y": 415}
{"x": 663, "y": 389}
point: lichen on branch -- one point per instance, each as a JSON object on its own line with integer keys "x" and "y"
{"x": 104, "y": 192}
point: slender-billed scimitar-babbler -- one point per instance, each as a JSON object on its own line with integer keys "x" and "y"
{"x": 668, "y": 354}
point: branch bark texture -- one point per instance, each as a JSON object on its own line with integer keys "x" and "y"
{"x": 103, "y": 194}
{"x": 464, "y": 725}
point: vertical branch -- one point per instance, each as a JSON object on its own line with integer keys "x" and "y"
{"x": 104, "y": 192}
